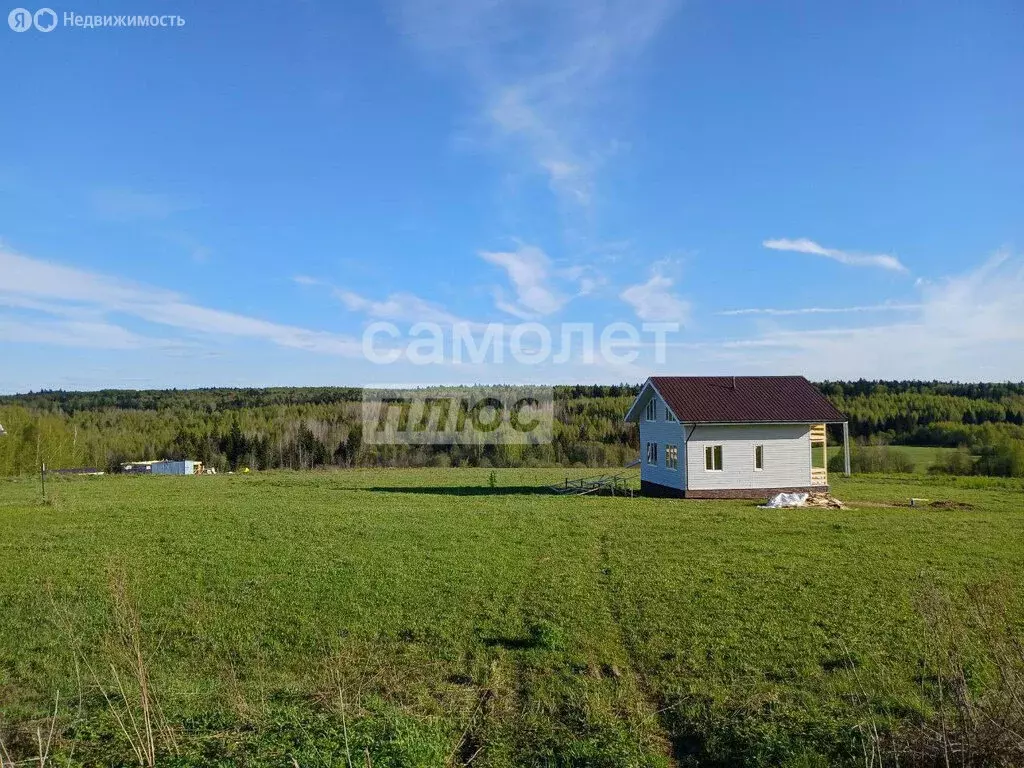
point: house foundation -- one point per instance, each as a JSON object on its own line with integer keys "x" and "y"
{"x": 656, "y": 490}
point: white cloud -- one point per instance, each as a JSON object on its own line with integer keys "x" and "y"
{"x": 821, "y": 310}
{"x": 803, "y": 245}
{"x": 588, "y": 280}
{"x": 30, "y": 277}
{"x": 216, "y": 322}
{"x": 655, "y": 301}
{"x": 23, "y": 302}
{"x": 542, "y": 73}
{"x": 968, "y": 327}
{"x": 510, "y": 307}
{"x": 54, "y": 289}
{"x": 398, "y": 306}
{"x": 69, "y": 333}
{"x": 530, "y": 271}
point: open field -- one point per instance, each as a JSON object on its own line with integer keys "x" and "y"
{"x": 922, "y": 456}
{"x": 423, "y": 618}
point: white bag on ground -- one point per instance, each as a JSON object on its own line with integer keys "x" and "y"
{"x": 780, "y": 500}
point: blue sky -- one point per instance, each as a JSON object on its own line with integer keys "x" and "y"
{"x": 829, "y": 189}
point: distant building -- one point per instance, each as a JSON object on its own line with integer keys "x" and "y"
{"x": 163, "y": 467}
{"x": 137, "y": 467}
{"x": 733, "y": 436}
{"x": 186, "y": 467}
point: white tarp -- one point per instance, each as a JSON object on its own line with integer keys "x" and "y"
{"x": 780, "y": 500}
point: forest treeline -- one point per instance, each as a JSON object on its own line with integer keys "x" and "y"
{"x": 308, "y": 427}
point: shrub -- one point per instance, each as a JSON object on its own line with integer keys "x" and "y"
{"x": 1004, "y": 459}
{"x": 972, "y": 673}
{"x": 874, "y": 458}
{"x": 958, "y": 462}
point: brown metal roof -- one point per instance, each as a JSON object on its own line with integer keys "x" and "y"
{"x": 725, "y": 399}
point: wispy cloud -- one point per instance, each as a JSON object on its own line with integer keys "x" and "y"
{"x": 655, "y": 300}
{"x": 529, "y": 269}
{"x": 967, "y": 327}
{"x": 62, "y": 291}
{"x": 803, "y": 245}
{"x": 72, "y": 333}
{"x": 821, "y": 310}
{"x": 540, "y": 72}
{"x": 587, "y": 278}
{"x": 398, "y": 307}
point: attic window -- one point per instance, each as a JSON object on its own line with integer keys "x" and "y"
{"x": 669, "y": 416}
{"x": 651, "y": 413}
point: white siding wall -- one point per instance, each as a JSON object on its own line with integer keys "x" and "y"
{"x": 663, "y": 433}
{"x": 787, "y": 456}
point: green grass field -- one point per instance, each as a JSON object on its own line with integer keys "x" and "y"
{"x": 423, "y": 618}
{"x": 922, "y": 456}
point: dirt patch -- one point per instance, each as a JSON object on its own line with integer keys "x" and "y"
{"x": 960, "y": 505}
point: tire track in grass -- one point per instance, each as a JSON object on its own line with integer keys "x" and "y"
{"x": 496, "y": 671}
{"x": 652, "y": 703}
{"x": 495, "y": 699}
{"x": 549, "y": 690}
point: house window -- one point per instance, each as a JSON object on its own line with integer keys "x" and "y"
{"x": 671, "y": 457}
{"x": 652, "y": 453}
{"x": 713, "y": 458}
{"x": 652, "y": 410}
{"x": 758, "y": 457}
{"x": 669, "y": 416}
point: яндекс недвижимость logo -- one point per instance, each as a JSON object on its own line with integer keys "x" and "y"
{"x": 22, "y": 19}
{"x": 46, "y": 20}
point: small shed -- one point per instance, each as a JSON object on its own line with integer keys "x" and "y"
{"x": 186, "y": 467}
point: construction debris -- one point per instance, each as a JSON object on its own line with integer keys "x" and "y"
{"x": 819, "y": 500}
{"x": 617, "y": 484}
{"x": 612, "y": 485}
{"x": 824, "y": 500}
{"x": 783, "y": 500}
